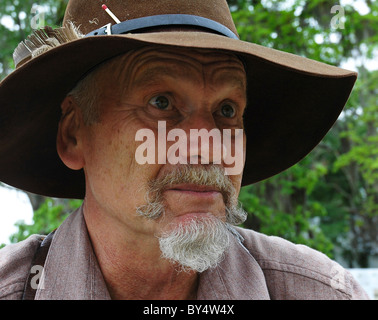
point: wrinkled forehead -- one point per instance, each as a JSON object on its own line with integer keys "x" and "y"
{"x": 141, "y": 66}
{"x": 204, "y": 65}
{"x": 195, "y": 58}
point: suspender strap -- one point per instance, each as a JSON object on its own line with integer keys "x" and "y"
{"x": 37, "y": 264}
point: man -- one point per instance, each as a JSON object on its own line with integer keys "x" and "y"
{"x": 128, "y": 116}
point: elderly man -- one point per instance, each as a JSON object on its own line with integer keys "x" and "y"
{"x": 160, "y": 222}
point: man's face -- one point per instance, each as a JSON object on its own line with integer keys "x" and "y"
{"x": 184, "y": 89}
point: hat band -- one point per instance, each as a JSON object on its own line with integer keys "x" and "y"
{"x": 163, "y": 20}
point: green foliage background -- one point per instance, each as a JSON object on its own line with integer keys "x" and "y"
{"x": 329, "y": 200}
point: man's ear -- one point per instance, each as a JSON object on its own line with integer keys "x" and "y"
{"x": 69, "y": 144}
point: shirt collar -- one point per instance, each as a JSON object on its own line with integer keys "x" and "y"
{"x": 237, "y": 277}
{"x": 71, "y": 269}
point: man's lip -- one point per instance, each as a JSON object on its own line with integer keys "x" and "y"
{"x": 192, "y": 188}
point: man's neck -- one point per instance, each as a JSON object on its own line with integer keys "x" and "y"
{"x": 132, "y": 283}
{"x": 132, "y": 266}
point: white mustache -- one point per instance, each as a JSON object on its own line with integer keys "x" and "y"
{"x": 204, "y": 175}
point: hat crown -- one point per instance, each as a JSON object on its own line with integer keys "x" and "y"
{"x": 89, "y": 15}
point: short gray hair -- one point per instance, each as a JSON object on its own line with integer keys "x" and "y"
{"x": 86, "y": 95}
{"x": 89, "y": 92}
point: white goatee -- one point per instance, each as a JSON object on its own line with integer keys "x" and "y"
{"x": 197, "y": 245}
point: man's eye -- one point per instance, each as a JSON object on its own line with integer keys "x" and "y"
{"x": 228, "y": 111}
{"x": 160, "y": 102}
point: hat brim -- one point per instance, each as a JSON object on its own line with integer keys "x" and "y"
{"x": 292, "y": 104}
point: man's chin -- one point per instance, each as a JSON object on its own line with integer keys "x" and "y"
{"x": 177, "y": 220}
{"x": 198, "y": 242}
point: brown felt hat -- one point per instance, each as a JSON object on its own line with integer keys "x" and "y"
{"x": 292, "y": 101}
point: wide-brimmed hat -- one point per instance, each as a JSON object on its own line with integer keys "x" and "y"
{"x": 292, "y": 101}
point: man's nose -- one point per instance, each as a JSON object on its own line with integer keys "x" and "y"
{"x": 204, "y": 139}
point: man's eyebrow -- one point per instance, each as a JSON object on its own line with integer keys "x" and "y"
{"x": 234, "y": 78}
{"x": 239, "y": 82}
